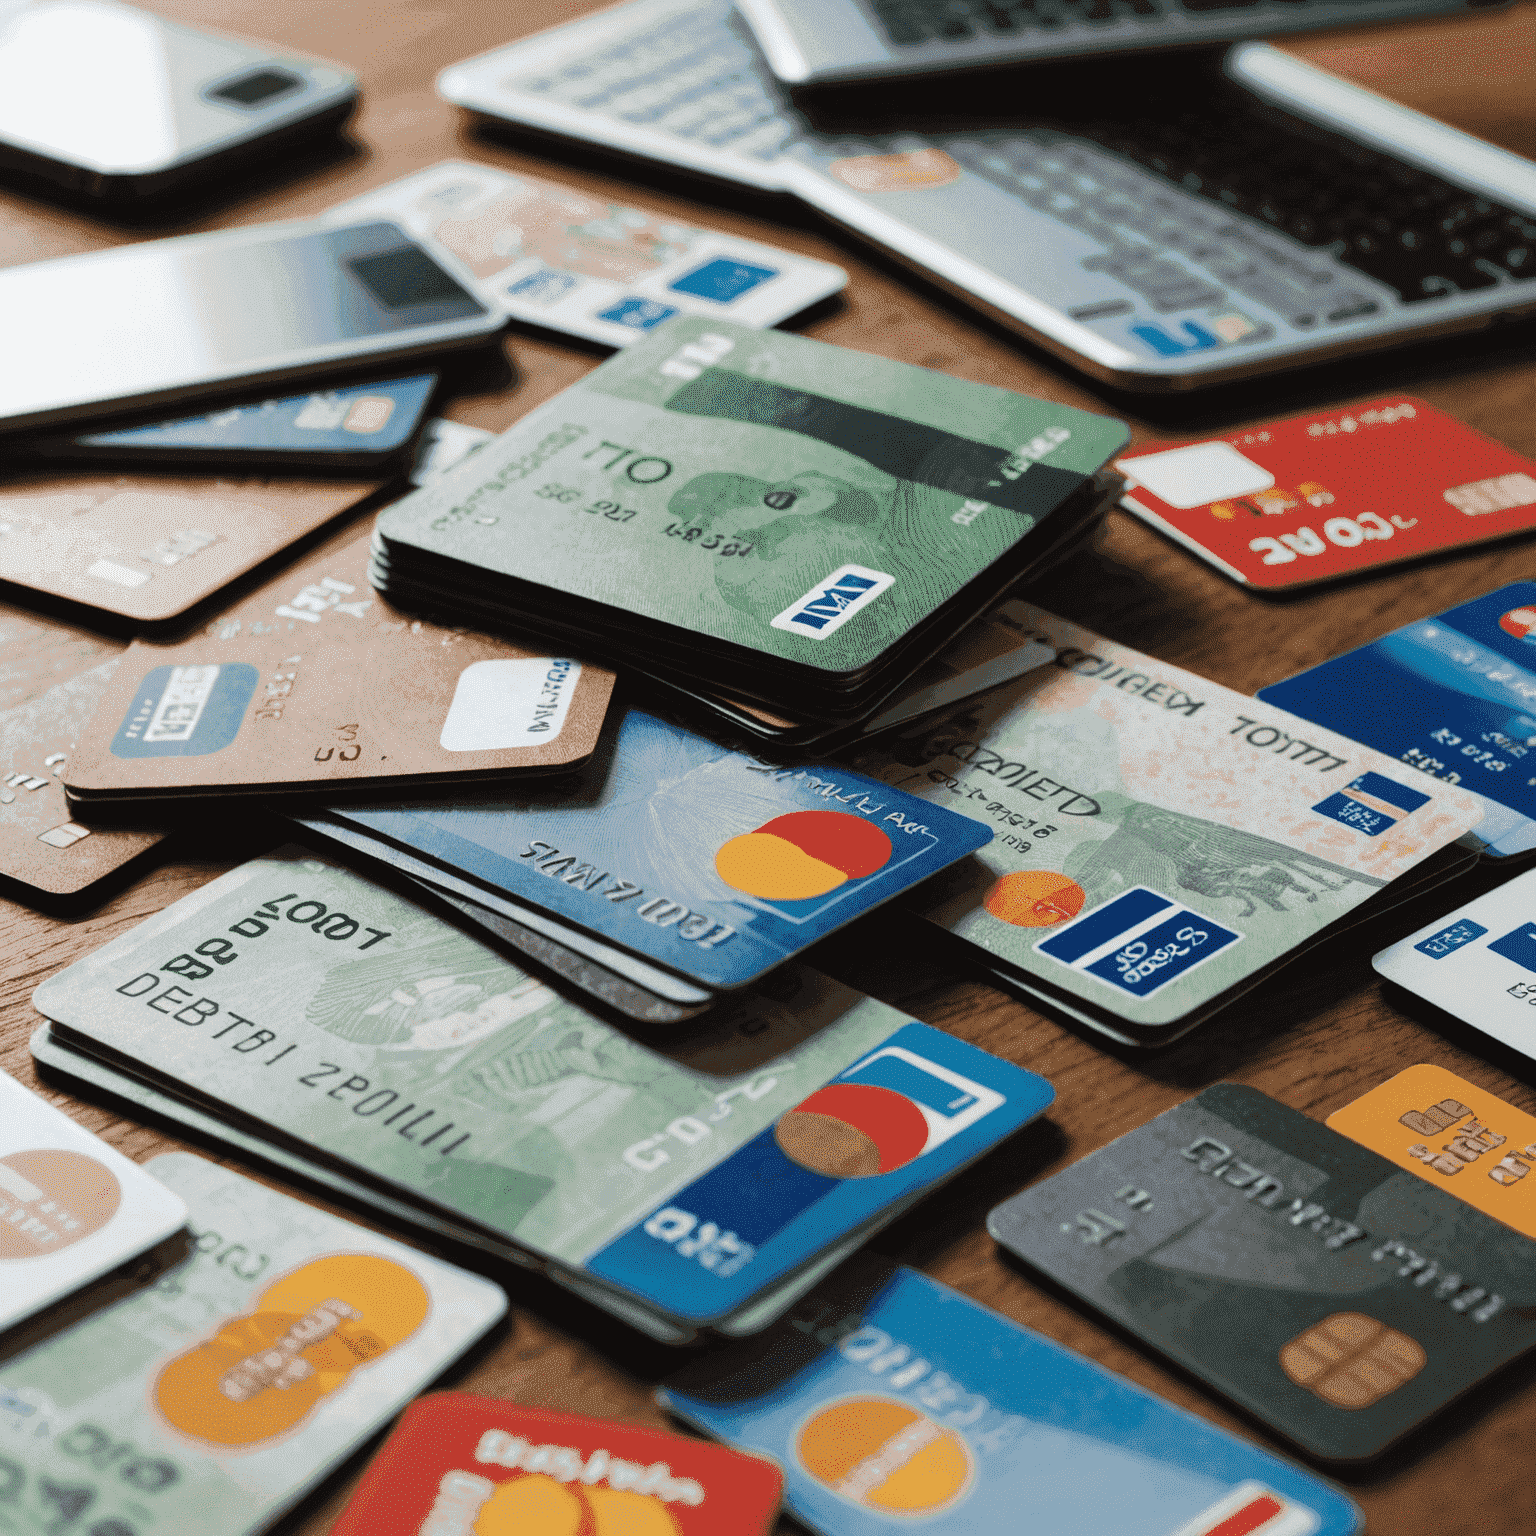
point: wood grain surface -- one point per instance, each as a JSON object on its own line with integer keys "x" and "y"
{"x": 1319, "y": 1034}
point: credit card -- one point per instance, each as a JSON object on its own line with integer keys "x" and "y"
{"x": 314, "y": 682}
{"x": 214, "y": 1385}
{"x": 148, "y": 547}
{"x": 47, "y": 857}
{"x": 1478, "y": 963}
{"x": 1333, "y": 493}
{"x": 1160, "y": 840}
{"x": 804, "y": 511}
{"x": 1336, "y": 1297}
{"x": 459, "y": 1463}
{"x": 1453, "y": 695}
{"x": 1440, "y": 1126}
{"x": 341, "y": 1016}
{"x": 71, "y": 1207}
{"x": 713, "y": 864}
{"x": 364, "y": 427}
{"x": 558, "y": 257}
{"x": 891, "y": 1399}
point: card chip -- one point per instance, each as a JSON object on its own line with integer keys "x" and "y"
{"x": 1351, "y": 1360}
{"x": 64, "y": 836}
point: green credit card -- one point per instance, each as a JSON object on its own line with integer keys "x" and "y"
{"x": 802, "y": 501}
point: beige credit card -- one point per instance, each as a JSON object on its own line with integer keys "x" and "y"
{"x": 314, "y": 681}
{"x": 148, "y": 547}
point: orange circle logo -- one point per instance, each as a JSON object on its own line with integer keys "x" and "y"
{"x": 1034, "y": 898}
{"x": 1519, "y": 622}
{"x": 889, "y": 1458}
{"x": 538, "y": 1505}
{"x": 802, "y": 855}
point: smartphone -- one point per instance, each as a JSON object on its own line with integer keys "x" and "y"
{"x": 119, "y": 105}
{"x": 206, "y": 316}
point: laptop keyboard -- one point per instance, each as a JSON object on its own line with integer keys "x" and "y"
{"x": 1190, "y": 205}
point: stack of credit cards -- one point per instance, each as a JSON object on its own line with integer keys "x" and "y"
{"x": 480, "y": 1466}
{"x": 1453, "y": 695}
{"x": 746, "y": 512}
{"x": 1337, "y": 1297}
{"x": 365, "y": 429}
{"x": 685, "y": 868}
{"x": 211, "y": 1386}
{"x": 1478, "y": 963}
{"x": 145, "y": 548}
{"x": 556, "y": 257}
{"x": 379, "y": 1048}
{"x": 1160, "y": 842}
{"x": 1313, "y": 498}
{"x": 890, "y": 1400}
{"x": 314, "y": 682}
{"x": 71, "y": 1207}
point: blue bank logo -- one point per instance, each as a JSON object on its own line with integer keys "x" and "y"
{"x": 546, "y": 286}
{"x": 638, "y": 314}
{"x": 1519, "y": 946}
{"x": 186, "y": 711}
{"x": 1438, "y": 945}
{"x": 1371, "y": 804}
{"x": 831, "y": 603}
{"x": 1138, "y": 941}
{"x": 722, "y": 279}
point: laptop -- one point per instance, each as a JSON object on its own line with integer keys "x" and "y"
{"x": 815, "y": 42}
{"x": 1221, "y": 220}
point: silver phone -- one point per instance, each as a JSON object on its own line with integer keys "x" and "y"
{"x": 206, "y": 315}
{"x": 120, "y": 105}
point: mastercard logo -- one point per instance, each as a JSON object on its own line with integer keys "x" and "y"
{"x": 538, "y": 1505}
{"x": 263, "y": 1373}
{"x": 1034, "y": 898}
{"x": 1519, "y": 622}
{"x": 852, "y": 1131}
{"x": 802, "y": 855}
{"x": 886, "y": 1457}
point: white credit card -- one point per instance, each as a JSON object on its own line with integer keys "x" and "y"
{"x": 1478, "y": 963}
{"x": 555, "y": 256}
{"x": 71, "y": 1208}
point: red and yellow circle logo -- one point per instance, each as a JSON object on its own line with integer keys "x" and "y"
{"x": 1034, "y": 898}
{"x": 852, "y": 1131}
{"x": 802, "y": 855}
{"x": 538, "y": 1505}
{"x": 1519, "y": 622}
{"x": 886, "y": 1457}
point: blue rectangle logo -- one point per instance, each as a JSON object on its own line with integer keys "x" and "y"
{"x": 1519, "y": 946}
{"x": 1438, "y": 945}
{"x": 722, "y": 279}
{"x": 1371, "y": 804}
{"x": 186, "y": 711}
{"x": 1139, "y": 941}
{"x": 638, "y": 314}
{"x": 1382, "y": 788}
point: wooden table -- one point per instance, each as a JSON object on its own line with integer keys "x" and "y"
{"x": 1317, "y": 1036}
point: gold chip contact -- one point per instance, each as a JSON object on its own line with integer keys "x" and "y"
{"x": 1351, "y": 1360}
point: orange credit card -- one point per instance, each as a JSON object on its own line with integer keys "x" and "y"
{"x": 1454, "y": 1134}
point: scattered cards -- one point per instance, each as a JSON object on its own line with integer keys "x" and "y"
{"x": 313, "y": 682}
{"x": 216, "y": 1385}
{"x": 711, "y": 864}
{"x": 1439, "y": 1126}
{"x": 690, "y": 1181}
{"x": 1478, "y": 963}
{"x": 71, "y": 1207}
{"x": 458, "y": 1463}
{"x": 366, "y": 428}
{"x": 1453, "y": 695}
{"x": 558, "y": 257}
{"x": 753, "y": 513}
{"x": 148, "y": 547}
{"x": 1334, "y": 493}
{"x": 1334, "y": 1296}
{"x": 889, "y": 1398}
{"x": 1161, "y": 843}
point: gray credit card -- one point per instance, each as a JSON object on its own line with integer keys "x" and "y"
{"x": 1335, "y": 1296}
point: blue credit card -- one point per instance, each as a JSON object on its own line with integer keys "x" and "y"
{"x": 900, "y": 1120}
{"x": 363, "y": 424}
{"x": 708, "y": 861}
{"x": 1454, "y": 695}
{"x": 895, "y": 1402}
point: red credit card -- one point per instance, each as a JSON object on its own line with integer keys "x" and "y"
{"x": 459, "y": 1465}
{"x": 1315, "y": 497}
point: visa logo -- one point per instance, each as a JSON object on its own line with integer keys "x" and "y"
{"x": 831, "y": 603}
